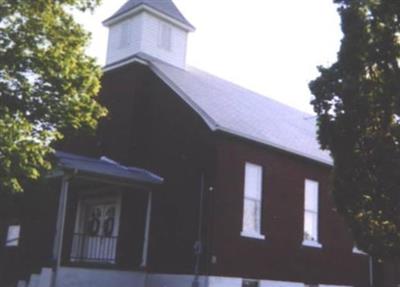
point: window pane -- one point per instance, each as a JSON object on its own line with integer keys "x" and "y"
{"x": 307, "y": 226}
{"x": 253, "y": 181}
{"x": 311, "y": 210}
{"x": 310, "y": 226}
{"x": 251, "y": 216}
{"x": 13, "y": 235}
{"x": 252, "y": 198}
{"x": 311, "y": 195}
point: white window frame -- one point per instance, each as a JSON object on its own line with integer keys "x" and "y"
{"x": 258, "y": 199}
{"x": 164, "y": 40}
{"x": 308, "y": 192}
{"x": 13, "y": 235}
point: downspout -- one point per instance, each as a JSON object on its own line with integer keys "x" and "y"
{"x": 371, "y": 274}
{"x": 145, "y": 251}
{"x": 198, "y": 246}
{"x": 147, "y": 231}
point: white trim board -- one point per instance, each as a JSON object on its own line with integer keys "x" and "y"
{"x": 123, "y": 62}
{"x": 144, "y": 7}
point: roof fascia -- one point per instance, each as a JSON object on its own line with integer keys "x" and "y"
{"x": 144, "y": 7}
{"x": 99, "y": 177}
{"x": 275, "y": 146}
{"x": 127, "y": 61}
{"x": 114, "y": 181}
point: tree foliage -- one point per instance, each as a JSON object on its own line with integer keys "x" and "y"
{"x": 47, "y": 83}
{"x": 357, "y": 101}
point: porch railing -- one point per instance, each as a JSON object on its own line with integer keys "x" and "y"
{"x": 93, "y": 249}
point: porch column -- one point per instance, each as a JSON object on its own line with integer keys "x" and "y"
{"x": 147, "y": 231}
{"x": 59, "y": 235}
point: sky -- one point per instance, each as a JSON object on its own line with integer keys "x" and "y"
{"x": 272, "y": 47}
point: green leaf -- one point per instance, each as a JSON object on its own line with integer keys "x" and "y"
{"x": 47, "y": 84}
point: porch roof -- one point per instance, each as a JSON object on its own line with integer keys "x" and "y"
{"x": 105, "y": 169}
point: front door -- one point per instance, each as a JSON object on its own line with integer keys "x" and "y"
{"x": 96, "y": 231}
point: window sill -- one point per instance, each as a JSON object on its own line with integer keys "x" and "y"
{"x": 310, "y": 243}
{"x": 252, "y": 235}
{"x": 358, "y": 251}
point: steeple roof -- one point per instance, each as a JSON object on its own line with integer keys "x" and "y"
{"x": 166, "y": 7}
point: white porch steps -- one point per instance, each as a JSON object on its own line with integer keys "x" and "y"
{"x": 34, "y": 280}
{"x": 38, "y": 280}
{"x": 45, "y": 277}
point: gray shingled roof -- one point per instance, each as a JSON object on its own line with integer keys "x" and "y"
{"x": 164, "y": 6}
{"x": 105, "y": 168}
{"x": 230, "y": 108}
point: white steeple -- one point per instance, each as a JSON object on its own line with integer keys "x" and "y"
{"x": 154, "y": 27}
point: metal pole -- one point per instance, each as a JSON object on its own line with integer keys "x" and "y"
{"x": 58, "y": 240}
{"x": 371, "y": 274}
{"x": 147, "y": 231}
{"x": 199, "y": 244}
